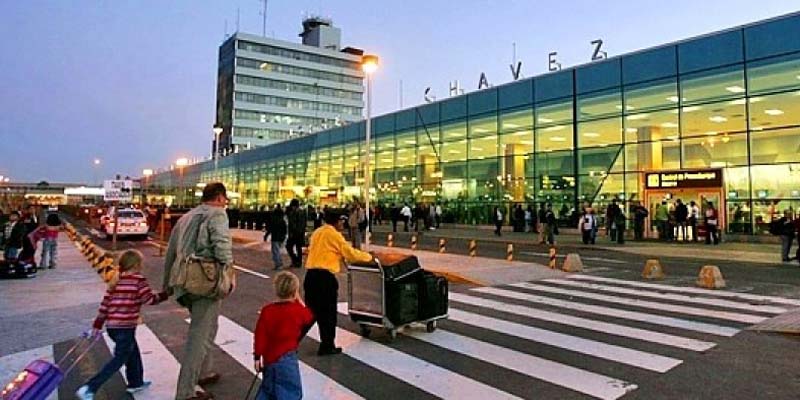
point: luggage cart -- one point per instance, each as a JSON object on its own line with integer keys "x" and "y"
{"x": 367, "y": 300}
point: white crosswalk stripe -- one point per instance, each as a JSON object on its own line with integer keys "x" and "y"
{"x": 701, "y": 312}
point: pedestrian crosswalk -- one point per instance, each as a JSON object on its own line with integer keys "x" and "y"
{"x": 579, "y": 336}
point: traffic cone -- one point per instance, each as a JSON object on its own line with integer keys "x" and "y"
{"x": 572, "y": 263}
{"x": 710, "y": 277}
{"x": 653, "y": 270}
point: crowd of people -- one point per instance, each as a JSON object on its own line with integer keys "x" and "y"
{"x": 23, "y": 227}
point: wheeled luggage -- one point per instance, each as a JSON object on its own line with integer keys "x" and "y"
{"x": 433, "y": 295}
{"x": 40, "y": 378}
{"x": 17, "y": 269}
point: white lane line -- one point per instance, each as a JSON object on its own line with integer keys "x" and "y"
{"x": 237, "y": 341}
{"x": 596, "y": 385}
{"x": 667, "y": 296}
{"x": 608, "y": 260}
{"x": 247, "y": 271}
{"x": 622, "y": 355}
{"x": 599, "y": 326}
{"x": 730, "y": 316}
{"x": 12, "y": 364}
{"x": 615, "y": 312}
{"x": 414, "y": 371}
{"x": 160, "y": 366}
{"x": 714, "y": 293}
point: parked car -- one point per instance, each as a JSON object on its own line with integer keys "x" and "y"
{"x": 131, "y": 223}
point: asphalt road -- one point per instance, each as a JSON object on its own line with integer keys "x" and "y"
{"x": 494, "y": 343}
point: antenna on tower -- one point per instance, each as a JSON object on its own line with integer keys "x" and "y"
{"x": 264, "y": 19}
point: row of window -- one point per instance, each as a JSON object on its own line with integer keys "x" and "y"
{"x": 297, "y": 71}
{"x": 297, "y": 87}
{"x": 296, "y": 103}
{"x": 260, "y": 133}
{"x": 298, "y": 55}
{"x": 265, "y": 117}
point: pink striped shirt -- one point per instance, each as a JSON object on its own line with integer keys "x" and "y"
{"x": 121, "y": 305}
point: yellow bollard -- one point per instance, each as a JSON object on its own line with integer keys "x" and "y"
{"x": 414, "y": 241}
{"x": 442, "y": 245}
{"x": 653, "y": 270}
{"x": 510, "y": 252}
{"x": 572, "y": 263}
{"x": 390, "y": 240}
{"x": 552, "y": 263}
{"x": 710, "y": 278}
{"x": 473, "y": 248}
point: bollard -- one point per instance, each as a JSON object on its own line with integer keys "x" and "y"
{"x": 552, "y": 263}
{"x": 510, "y": 252}
{"x": 572, "y": 263}
{"x": 390, "y": 240}
{"x": 710, "y": 278}
{"x": 442, "y": 245}
{"x": 653, "y": 270}
{"x": 414, "y": 241}
{"x": 473, "y": 248}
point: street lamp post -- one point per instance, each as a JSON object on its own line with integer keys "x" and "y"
{"x": 180, "y": 163}
{"x": 96, "y": 164}
{"x": 369, "y": 64}
{"x": 217, "y": 131}
{"x": 146, "y": 173}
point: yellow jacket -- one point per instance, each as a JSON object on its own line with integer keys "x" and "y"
{"x": 328, "y": 250}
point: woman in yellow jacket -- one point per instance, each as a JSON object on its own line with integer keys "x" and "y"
{"x": 327, "y": 251}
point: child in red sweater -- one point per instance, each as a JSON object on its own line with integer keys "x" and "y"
{"x": 280, "y": 327}
{"x": 120, "y": 312}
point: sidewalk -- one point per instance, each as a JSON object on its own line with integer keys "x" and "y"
{"x": 456, "y": 268}
{"x": 760, "y": 253}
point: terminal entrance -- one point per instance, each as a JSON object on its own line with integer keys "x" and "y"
{"x": 704, "y": 187}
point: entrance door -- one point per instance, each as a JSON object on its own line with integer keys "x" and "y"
{"x": 701, "y": 197}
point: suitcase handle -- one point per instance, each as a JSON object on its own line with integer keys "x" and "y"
{"x": 90, "y": 339}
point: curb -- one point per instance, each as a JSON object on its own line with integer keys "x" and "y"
{"x": 457, "y": 278}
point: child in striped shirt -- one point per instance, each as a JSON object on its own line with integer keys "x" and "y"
{"x": 120, "y": 312}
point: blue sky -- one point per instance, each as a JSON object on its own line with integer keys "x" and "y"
{"x": 133, "y": 82}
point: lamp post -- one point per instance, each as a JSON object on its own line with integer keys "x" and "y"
{"x": 369, "y": 64}
{"x": 96, "y": 164}
{"x": 146, "y": 173}
{"x": 217, "y": 131}
{"x": 180, "y": 163}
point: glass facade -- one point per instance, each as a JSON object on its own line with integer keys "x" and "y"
{"x": 726, "y": 103}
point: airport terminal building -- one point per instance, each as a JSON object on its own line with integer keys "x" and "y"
{"x": 714, "y": 118}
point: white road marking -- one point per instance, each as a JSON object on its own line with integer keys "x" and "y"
{"x": 599, "y": 326}
{"x": 11, "y": 365}
{"x": 426, "y": 376}
{"x": 596, "y": 385}
{"x": 675, "y": 297}
{"x": 714, "y": 293}
{"x": 702, "y": 312}
{"x": 247, "y": 271}
{"x": 160, "y": 366}
{"x": 588, "y": 258}
{"x": 237, "y": 341}
{"x": 615, "y": 312}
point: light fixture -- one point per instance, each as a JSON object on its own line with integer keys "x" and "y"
{"x": 369, "y": 63}
{"x": 544, "y": 120}
{"x": 637, "y": 116}
{"x": 631, "y": 130}
{"x": 669, "y": 125}
{"x": 690, "y": 109}
{"x": 147, "y": 172}
{"x": 735, "y": 89}
{"x": 717, "y": 119}
{"x": 480, "y": 130}
{"x": 554, "y": 128}
{"x": 182, "y": 162}
{"x": 673, "y": 99}
{"x": 591, "y": 134}
{"x": 510, "y": 125}
{"x": 773, "y": 111}
{"x": 557, "y": 139}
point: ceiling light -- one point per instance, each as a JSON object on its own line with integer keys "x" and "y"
{"x": 554, "y": 128}
{"x": 717, "y": 118}
{"x": 735, "y": 89}
{"x": 557, "y": 139}
{"x": 711, "y": 133}
{"x": 476, "y": 148}
{"x": 738, "y": 102}
{"x": 410, "y": 141}
{"x": 480, "y": 130}
{"x": 510, "y": 125}
{"x": 454, "y": 152}
{"x": 631, "y": 130}
{"x": 521, "y": 133}
{"x": 627, "y": 107}
{"x": 591, "y": 134}
{"x": 528, "y": 142}
{"x": 669, "y": 125}
{"x": 773, "y": 111}
{"x": 691, "y": 109}
{"x": 637, "y": 116}
{"x": 545, "y": 120}
{"x": 673, "y": 99}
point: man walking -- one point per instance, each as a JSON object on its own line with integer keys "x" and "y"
{"x": 611, "y": 218}
{"x": 277, "y": 232}
{"x": 297, "y": 233}
{"x": 202, "y": 232}
{"x": 681, "y": 214}
{"x": 694, "y": 215}
{"x": 405, "y": 213}
{"x": 662, "y": 221}
{"x": 639, "y": 215}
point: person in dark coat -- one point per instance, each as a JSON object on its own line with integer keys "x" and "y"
{"x": 296, "y": 218}
{"x": 681, "y": 218}
{"x": 519, "y": 219}
{"x": 639, "y": 215}
{"x": 277, "y": 231}
{"x": 14, "y": 236}
{"x": 394, "y": 216}
{"x": 611, "y": 216}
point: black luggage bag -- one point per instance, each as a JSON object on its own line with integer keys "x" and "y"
{"x": 402, "y": 301}
{"x": 433, "y": 296}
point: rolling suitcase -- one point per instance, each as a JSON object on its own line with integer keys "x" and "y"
{"x": 40, "y": 378}
{"x": 433, "y": 296}
{"x": 402, "y": 301}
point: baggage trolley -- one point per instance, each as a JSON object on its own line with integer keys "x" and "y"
{"x": 367, "y": 300}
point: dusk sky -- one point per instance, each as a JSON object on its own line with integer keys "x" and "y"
{"x": 133, "y": 82}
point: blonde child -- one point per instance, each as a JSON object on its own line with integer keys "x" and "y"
{"x": 280, "y": 327}
{"x": 120, "y": 312}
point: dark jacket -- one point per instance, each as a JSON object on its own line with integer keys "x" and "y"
{"x": 681, "y": 213}
{"x": 277, "y": 226}
{"x": 17, "y": 234}
{"x": 297, "y": 223}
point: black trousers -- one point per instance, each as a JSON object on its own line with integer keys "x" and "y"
{"x": 294, "y": 246}
{"x": 322, "y": 292}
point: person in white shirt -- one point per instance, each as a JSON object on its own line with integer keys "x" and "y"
{"x": 588, "y": 226}
{"x": 694, "y": 215}
{"x": 405, "y": 212}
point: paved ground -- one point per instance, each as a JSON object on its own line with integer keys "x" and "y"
{"x": 602, "y": 334}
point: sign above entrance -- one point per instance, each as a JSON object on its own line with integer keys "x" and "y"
{"x": 684, "y": 179}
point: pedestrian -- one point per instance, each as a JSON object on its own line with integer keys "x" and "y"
{"x": 394, "y": 216}
{"x": 202, "y": 233}
{"x": 541, "y": 217}
{"x": 378, "y": 215}
{"x": 694, "y": 215}
{"x": 550, "y": 227}
{"x": 419, "y": 215}
{"x": 358, "y": 221}
{"x": 432, "y": 217}
{"x": 280, "y": 327}
{"x": 14, "y": 234}
{"x": 587, "y": 226}
{"x": 48, "y": 233}
{"x": 619, "y": 226}
{"x": 712, "y": 224}
{"x": 681, "y": 216}
{"x": 405, "y": 214}
{"x": 784, "y": 227}
{"x": 640, "y": 213}
{"x": 119, "y": 312}
{"x": 276, "y": 230}
{"x": 611, "y": 215}
{"x": 497, "y": 219}
{"x": 317, "y": 217}
{"x": 297, "y": 220}
{"x": 662, "y": 221}
{"x": 519, "y": 219}
{"x": 327, "y": 251}
{"x": 438, "y": 215}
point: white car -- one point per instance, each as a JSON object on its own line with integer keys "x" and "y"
{"x": 131, "y": 223}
